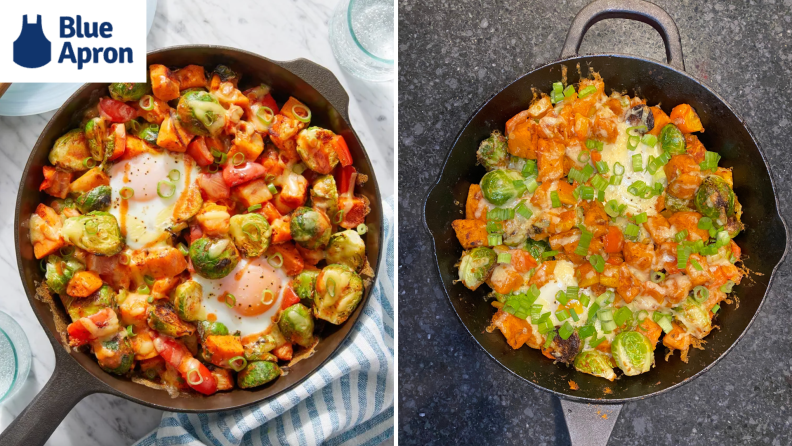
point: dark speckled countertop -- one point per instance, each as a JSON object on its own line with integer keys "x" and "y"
{"x": 453, "y": 55}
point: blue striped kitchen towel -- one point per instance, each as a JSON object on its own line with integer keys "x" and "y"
{"x": 348, "y": 401}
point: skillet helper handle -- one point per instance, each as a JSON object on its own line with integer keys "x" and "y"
{"x": 589, "y": 424}
{"x": 3, "y": 88}
{"x": 639, "y": 10}
{"x": 68, "y": 385}
{"x": 323, "y": 80}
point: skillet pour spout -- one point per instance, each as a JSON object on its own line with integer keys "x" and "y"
{"x": 763, "y": 241}
{"x": 77, "y": 374}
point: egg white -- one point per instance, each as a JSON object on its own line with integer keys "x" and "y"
{"x": 247, "y": 281}
{"x": 148, "y": 216}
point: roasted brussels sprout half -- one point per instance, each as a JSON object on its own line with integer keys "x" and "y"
{"x": 324, "y": 194}
{"x": 226, "y": 74}
{"x": 310, "y": 228}
{"x": 164, "y": 319}
{"x": 297, "y": 325}
{"x": 493, "y": 152}
{"x": 251, "y": 233}
{"x": 59, "y": 271}
{"x": 476, "y": 266}
{"x": 213, "y": 258}
{"x": 200, "y": 113}
{"x": 187, "y": 300}
{"x": 78, "y": 308}
{"x": 149, "y": 133}
{"x": 640, "y": 115}
{"x": 498, "y": 186}
{"x": 694, "y": 317}
{"x": 675, "y": 204}
{"x": 126, "y": 92}
{"x": 338, "y": 292}
{"x": 96, "y": 199}
{"x": 595, "y": 363}
{"x": 565, "y": 350}
{"x": 259, "y": 350}
{"x": 347, "y": 248}
{"x": 69, "y": 152}
{"x": 95, "y": 232}
{"x": 633, "y": 352}
{"x": 96, "y": 135}
{"x": 257, "y": 373}
{"x": 672, "y": 140}
{"x": 316, "y": 148}
{"x": 206, "y": 328}
{"x": 115, "y": 355}
{"x": 305, "y": 284}
{"x": 715, "y": 199}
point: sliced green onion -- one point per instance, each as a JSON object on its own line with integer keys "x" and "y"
{"x": 602, "y": 166}
{"x": 561, "y": 297}
{"x": 615, "y": 180}
{"x": 618, "y": 169}
{"x": 265, "y": 114}
{"x": 307, "y": 111}
{"x": 238, "y": 159}
{"x": 555, "y": 200}
{"x": 556, "y": 97}
{"x": 530, "y": 169}
{"x": 705, "y": 223}
{"x": 495, "y": 240}
{"x": 89, "y": 163}
{"x": 649, "y": 140}
{"x": 536, "y": 313}
{"x": 361, "y": 229}
{"x": 558, "y": 87}
{"x": 276, "y": 260}
{"x": 169, "y": 189}
{"x": 182, "y": 249}
{"x": 727, "y": 287}
{"x": 592, "y": 313}
{"x": 595, "y": 342}
{"x": 622, "y": 315}
{"x": 147, "y": 103}
{"x": 562, "y": 315}
{"x": 715, "y": 308}
{"x": 192, "y": 380}
{"x": 43, "y": 265}
{"x": 637, "y": 188}
{"x": 657, "y": 276}
{"x": 584, "y": 157}
{"x": 566, "y": 331}
{"x": 569, "y": 91}
{"x": 504, "y": 257}
{"x": 586, "y": 331}
{"x": 597, "y": 262}
{"x": 299, "y": 168}
{"x": 531, "y": 185}
{"x": 599, "y": 182}
{"x": 586, "y": 91}
{"x": 238, "y": 363}
{"x": 220, "y": 157}
{"x": 683, "y": 253}
{"x": 681, "y": 235}
{"x": 339, "y": 217}
{"x": 548, "y": 254}
{"x": 700, "y": 294}
{"x": 230, "y": 300}
{"x": 67, "y": 251}
{"x": 523, "y": 211}
{"x": 592, "y": 144}
{"x": 144, "y": 289}
{"x": 174, "y": 175}
{"x": 254, "y": 208}
{"x": 609, "y": 326}
{"x": 252, "y": 231}
{"x": 696, "y": 264}
{"x": 129, "y": 331}
{"x": 584, "y": 242}
{"x": 612, "y": 208}
{"x": 267, "y": 297}
{"x": 632, "y": 142}
{"x": 665, "y": 324}
{"x": 637, "y": 162}
{"x": 586, "y": 173}
{"x": 643, "y": 314}
{"x": 494, "y": 227}
{"x": 149, "y": 280}
{"x": 632, "y": 230}
{"x": 125, "y": 258}
{"x": 274, "y": 191}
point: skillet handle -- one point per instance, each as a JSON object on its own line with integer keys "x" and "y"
{"x": 589, "y": 424}
{"x": 323, "y": 80}
{"x": 639, "y": 10}
{"x": 68, "y": 385}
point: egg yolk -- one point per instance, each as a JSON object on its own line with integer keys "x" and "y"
{"x": 249, "y": 286}
{"x": 142, "y": 174}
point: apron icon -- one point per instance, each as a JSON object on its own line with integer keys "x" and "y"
{"x": 32, "y": 49}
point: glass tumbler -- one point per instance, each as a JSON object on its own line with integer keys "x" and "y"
{"x": 14, "y": 357}
{"x": 362, "y": 38}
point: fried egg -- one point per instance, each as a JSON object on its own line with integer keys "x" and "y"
{"x": 249, "y": 311}
{"x": 145, "y": 217}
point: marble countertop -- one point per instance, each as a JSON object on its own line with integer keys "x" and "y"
{"x": 453, "y": 56}
{"x": 292, "y": 30}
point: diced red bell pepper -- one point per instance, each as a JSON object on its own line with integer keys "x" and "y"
{"x": 345, "y": 180}
{"x": 200, "y": 152}
{"x": 289, "y": 297}
{"x": 269, "y": 101}
{"x": 342, "y": 150}
{"x": 213, "y": 186}
{"x": 106, "y": 320}
{"x": 243, "y": 173}
{"x": 116, "y": 111}
{"x": 197, "y": 376}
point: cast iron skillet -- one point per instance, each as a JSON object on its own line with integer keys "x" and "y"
{"x": 763, "y": 241}
{"x": 76, "y": 374}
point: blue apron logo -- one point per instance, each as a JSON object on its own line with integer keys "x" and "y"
{"x": 32, "y": 49}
